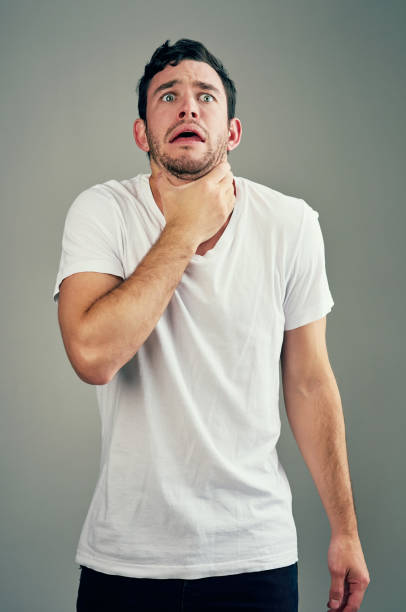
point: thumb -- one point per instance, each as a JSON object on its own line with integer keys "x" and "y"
{"x": 160, "y": 180}
{"x": 162, "y": 177}
{"x": 336, "y": 592}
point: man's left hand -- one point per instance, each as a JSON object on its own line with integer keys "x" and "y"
{"x": 349, "y": 574}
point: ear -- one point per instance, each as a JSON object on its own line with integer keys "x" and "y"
{"x": 234, "y": 134}
{"x": 140, "y": 137}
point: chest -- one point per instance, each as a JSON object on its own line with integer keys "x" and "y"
{"x": 235, "y": 303}
{"x": 211, "y": 243}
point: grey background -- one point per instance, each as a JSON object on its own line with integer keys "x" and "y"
{"x": 321, "y": 100}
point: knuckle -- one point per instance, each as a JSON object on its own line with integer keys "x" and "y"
{"x": 337, "y": 571}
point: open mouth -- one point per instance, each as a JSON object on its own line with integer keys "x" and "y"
{"x": 187, "y": 136}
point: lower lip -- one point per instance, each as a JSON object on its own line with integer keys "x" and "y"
{"x": 186, "y": 140}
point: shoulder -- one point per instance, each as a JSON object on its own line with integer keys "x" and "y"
{"x": 108, "y": 199}
{"x": 285, "y": 211}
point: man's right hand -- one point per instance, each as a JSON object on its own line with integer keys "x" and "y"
{"x": 200, "y": 207}
{"x": 105, "y": 319}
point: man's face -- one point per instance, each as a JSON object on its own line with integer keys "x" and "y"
{"x": 197, "y": 99}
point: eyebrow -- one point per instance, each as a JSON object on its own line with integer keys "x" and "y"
{"x": 200, "y": 84}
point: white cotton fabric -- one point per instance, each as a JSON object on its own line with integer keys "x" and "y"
{"x": 190, "y": 483}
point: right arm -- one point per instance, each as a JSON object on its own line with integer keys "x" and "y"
{"x": 110, "y": 331}
{"x": 105, "y": 320}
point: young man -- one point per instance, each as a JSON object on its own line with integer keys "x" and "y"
{"x": 179, "y": 292}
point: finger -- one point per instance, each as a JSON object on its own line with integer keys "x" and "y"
{"x": 219, "y": 172}
{"x": 336, "y": 592}
{"x": 228, "y": 179}
{"x": 224, "y": 164}
{"x": 355, "y": 597}
{"x": 158, "y": 175}
{"x": 162, "y": 180}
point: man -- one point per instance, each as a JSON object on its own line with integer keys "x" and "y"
{"x": 179, "y": 292}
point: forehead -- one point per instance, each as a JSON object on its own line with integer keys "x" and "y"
{"x": 187, "y": 71}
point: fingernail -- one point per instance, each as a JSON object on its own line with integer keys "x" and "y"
{"x": 335, "y": 603}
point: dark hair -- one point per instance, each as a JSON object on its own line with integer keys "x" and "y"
{"x": 184, "y": 48}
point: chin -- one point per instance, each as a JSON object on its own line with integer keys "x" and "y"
{"x": 182, "y": 166}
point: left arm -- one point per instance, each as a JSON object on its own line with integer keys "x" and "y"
{"x": 314, "y": 411}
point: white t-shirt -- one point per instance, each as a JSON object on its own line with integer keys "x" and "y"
{"x": 190, "y": 483}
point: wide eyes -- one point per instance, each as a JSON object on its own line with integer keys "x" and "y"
{"x": 205, "y": 95}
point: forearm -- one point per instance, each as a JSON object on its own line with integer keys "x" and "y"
{"x": 317, "y": 422}
{"x": 117, "y": 324}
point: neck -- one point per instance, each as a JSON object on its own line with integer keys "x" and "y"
{"x": 174, "y": 180}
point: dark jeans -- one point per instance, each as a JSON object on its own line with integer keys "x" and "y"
{"x": 273, "y": 590}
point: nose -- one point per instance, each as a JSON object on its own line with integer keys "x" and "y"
{"x": 188, "y": 107}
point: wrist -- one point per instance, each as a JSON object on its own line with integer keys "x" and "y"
{"x": 351, "y": 534}
{"x": 181, "y": 236}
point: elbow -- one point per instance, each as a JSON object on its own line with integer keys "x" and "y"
{"x": 92, "y": 378}
{"x": 89, "y": 367}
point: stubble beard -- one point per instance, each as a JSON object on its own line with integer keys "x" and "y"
{"x": 183, "y": 166}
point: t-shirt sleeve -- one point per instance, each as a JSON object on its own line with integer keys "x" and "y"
{"x": 307, "y": 297}
{"x": 92, "y": 237}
